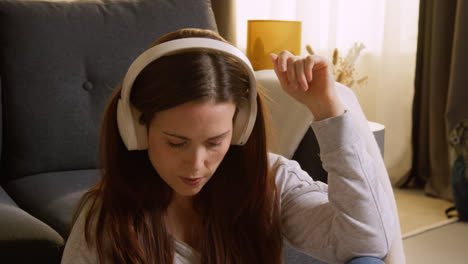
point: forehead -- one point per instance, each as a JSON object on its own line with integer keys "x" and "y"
{"x": 196, "y": 114}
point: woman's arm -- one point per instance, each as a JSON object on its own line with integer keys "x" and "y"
{"x": 351, "y": 216}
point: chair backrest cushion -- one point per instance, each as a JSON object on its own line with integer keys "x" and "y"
{"x": 60, "y": 61}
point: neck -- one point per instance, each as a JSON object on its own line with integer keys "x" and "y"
{"x": 181, "y": 203}
{"x": 182, "y": 221}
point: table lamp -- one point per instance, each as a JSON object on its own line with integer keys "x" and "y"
{"x": 271, "y": 36}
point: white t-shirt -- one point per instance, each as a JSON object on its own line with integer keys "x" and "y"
{"x": 349, "y": 217}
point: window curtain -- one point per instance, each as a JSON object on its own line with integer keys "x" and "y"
{"x": 225, "y": 13}
{"x": 440, "y": 102}
{"x": 388, "y": 29}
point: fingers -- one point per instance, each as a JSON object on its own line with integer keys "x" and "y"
{"x": 296, "y": 72}
{"x": 283, "y": 60}
{"x": 301, "y": 75}
{"x": 291, "y": 72}
{"x": 282, "y": 76}
{"x": 288, "y": 69}
{"x": 308, "y": 67}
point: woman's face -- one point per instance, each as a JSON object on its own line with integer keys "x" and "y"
{"x": 188, "y": 142}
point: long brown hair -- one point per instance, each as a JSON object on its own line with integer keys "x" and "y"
{"x": 239, "y": 205}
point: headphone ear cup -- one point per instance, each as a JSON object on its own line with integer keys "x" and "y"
{"x": 132, "y": 132}
{"x": 141, "y": 131}
{"x": 243, "y": 123}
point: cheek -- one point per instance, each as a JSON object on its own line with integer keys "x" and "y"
{"x": 219, "y": 154}
{"x": 159, "y": 156}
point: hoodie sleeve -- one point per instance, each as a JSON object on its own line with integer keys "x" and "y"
{"x": 349, "y": 217}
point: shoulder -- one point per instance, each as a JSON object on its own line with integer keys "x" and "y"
{"x": 77, "y": 249}
{"x": 89, "y": 207}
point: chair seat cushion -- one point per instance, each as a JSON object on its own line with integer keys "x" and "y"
{"x": 52, "y": 197}
{"x": 24, "y": 238}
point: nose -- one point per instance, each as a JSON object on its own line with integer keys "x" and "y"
{"x": 195, "y": 160}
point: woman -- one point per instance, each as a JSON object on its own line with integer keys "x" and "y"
{"x": 186, "y": 176}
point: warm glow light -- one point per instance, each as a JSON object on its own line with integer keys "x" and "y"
{"x": 271, "y": 36}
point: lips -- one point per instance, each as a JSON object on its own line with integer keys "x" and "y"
{"x": 192, "y": 181}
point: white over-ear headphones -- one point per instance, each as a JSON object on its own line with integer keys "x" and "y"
{"x": 134, "y": 134}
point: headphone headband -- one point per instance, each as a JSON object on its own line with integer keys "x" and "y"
{"x": 134, "y": 134}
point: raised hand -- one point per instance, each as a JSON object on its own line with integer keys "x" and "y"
{"x": 310, "y": 81}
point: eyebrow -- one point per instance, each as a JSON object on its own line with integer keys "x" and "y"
{"x": 186, "y": 138}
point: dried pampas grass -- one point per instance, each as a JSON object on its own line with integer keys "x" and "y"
{"x": 344, "y": 68}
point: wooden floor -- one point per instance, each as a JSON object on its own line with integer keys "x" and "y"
{"x": 444, "y": 245}
{"x": 418, "y": 211}
{"x": 428, "y": 236}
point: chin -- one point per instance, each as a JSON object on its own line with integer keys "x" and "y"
{"x": 189, "y": 190}
{"x": 189, "y": 193}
